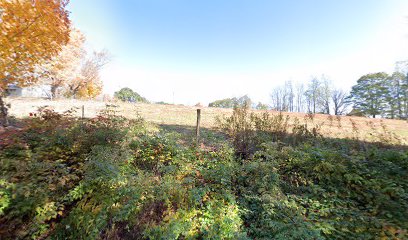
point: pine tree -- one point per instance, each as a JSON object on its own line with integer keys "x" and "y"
{"x": 395, "y": 95}
{"x": 404, "y": 89}
{"x": 369, "y": 94}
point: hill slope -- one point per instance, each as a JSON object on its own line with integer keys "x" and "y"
{"x": 331, "y": 126}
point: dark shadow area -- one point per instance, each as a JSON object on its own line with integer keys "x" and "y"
{"x": 297, "y": 183}
{"x": 213, "y": 137}
{"x": 208, "y": 137}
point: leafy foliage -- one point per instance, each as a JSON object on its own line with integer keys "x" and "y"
{"x": 87, "y": 83}
{"x": 31, "y": 31}
{"x": 248, "y": 130}
{"x": 63, "y": 67}
{"x": 110, "y": 178}
{"x": 297, "y": 185}
{"x": 262, "y": 106}
{"x": 107, "y": 178}
{"x": 344, "y": 194}
{"x": 368, "y": 94}
{"x": 128, "y": 95}
{"x": 243, "y": 101}
{"x": 380, "y": 94}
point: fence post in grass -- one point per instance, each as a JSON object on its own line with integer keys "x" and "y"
{"x": 198, "y": 126}
{"x": 83, "y": 112}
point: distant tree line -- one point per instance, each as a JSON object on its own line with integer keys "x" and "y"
{"x": 317, "y": 96}
{"x": 374, "y": 95}
{"x": 244, "y": 101}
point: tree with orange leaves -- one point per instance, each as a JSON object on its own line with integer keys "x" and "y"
{"x": 31, "y": 31}
{"x": 73, "y": 72}
{"x": 64, "y": 67}
{"x": 87, "y": 84}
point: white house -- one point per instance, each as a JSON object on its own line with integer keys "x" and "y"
{"x": 42, "y": 91}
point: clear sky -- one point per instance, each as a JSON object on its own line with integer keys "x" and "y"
{"x": 212, "y": 49}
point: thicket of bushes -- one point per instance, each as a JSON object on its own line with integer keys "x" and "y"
{"x": 110, "y": 178}
{"x": 308, "y": 186}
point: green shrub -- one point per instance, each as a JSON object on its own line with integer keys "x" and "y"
{"x": 268, "y": 212}
{"x": 248, "y": 129}
{"x": 338, "y": 193}
{"x": 110, "y": 178}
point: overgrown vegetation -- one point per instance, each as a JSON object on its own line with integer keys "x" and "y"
{"x": 111, "y": 178}
{"x": 296, "y": 184}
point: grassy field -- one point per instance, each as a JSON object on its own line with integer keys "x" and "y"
{"x": 185, "y": 116}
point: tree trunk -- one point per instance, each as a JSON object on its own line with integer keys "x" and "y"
{"x": 314, "y": 105}
{"x": 336, "y": 109}
{"x": 3, "y": 111}
{"x": 53, "y": 92}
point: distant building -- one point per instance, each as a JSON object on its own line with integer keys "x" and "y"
{"x": 14, "y": 91}
{"x": 42, "y": 91}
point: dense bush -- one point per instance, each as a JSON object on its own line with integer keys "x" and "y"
{"x": 110, "y": 178}
{"x": 42, "y": 162}
{"x": 247, "y": 130}
{"x": 339, "y": 193}
{"x": 296, "y": 184}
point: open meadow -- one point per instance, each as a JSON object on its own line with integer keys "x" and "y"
{"x": 367, "y": 129}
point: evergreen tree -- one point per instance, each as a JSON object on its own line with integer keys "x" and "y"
{"x": 369, "y": 94}
{"x": 404, "y": 88}
{"x": 128, "y": 95}
{"x": 395, "y": 95}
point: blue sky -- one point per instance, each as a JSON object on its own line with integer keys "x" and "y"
{"x": 212, "y": 49}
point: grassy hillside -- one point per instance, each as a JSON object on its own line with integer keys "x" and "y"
{"x": 176, "y": 115}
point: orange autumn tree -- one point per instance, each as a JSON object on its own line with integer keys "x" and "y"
{"x": 88, "y": 84}
{"x": 74, "y": 72}
{"x": 31, "y": 31}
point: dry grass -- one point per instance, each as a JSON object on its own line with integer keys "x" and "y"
{"x": 331, "y": 126}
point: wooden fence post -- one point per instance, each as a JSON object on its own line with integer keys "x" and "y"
{"x": 198, "y": 126}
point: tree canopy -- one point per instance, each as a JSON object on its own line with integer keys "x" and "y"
{"x": 128, "y": 95}
{"x": 243, "y": 101}
{"x": 381, "y": 94}
{"x": 262, "y": 106}
{"x": 64, "y": 67}
{"x": 31, "y": 32}
{"x": 368, "y": 95}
